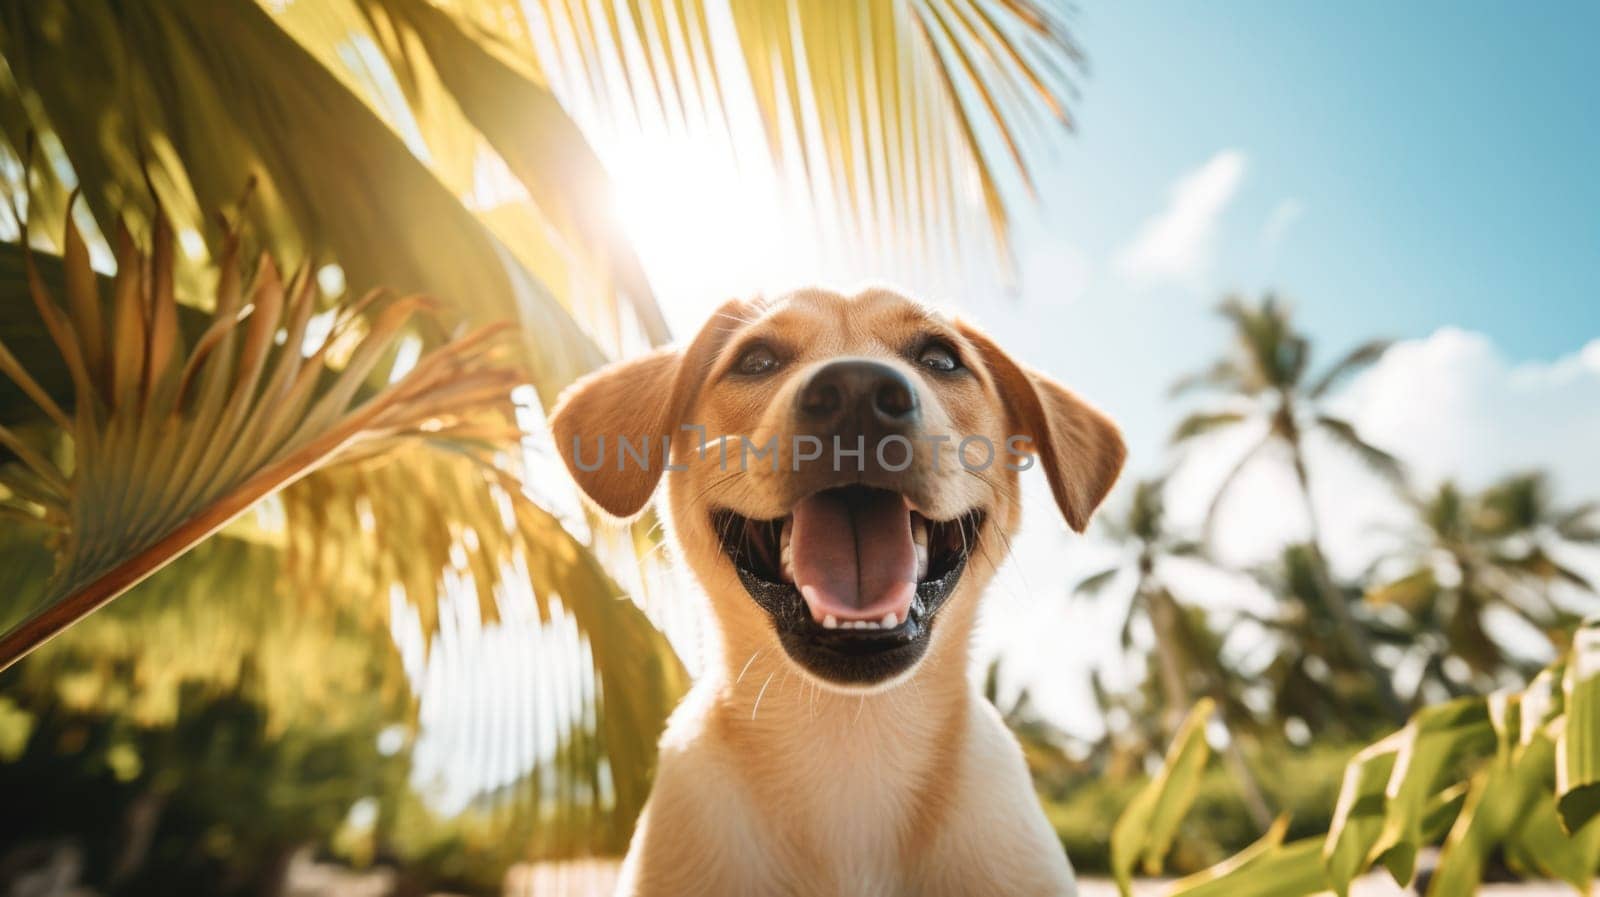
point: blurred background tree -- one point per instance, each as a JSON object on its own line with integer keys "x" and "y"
{"x": 1471, "y": 557}
{"x": 1265, "y": 381}
{"x": 1315, "y": 681}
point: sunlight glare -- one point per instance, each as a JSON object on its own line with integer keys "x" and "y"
{"x": 704, "y": 229}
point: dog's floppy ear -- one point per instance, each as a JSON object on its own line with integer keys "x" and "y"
{"x": 643, "y": 400}
{"x": 1081, "y": 449}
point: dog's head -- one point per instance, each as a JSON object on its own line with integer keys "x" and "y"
{"x": 843, "y": 471}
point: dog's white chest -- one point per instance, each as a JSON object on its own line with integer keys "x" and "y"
{"x": 857, "y": 807}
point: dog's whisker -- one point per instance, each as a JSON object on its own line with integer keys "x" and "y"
{"x": 995, "y": 485}
{"x": 761, "y": 694}
{"x": 746, "y": 668}
{"x": 715, "y": 484}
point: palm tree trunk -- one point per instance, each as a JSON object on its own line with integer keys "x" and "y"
{"x": 1350, "y": 631}
{"x": 1255, "y": 800}
{"x": 1174, "y": 692}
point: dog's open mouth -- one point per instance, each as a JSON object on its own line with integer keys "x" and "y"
{"x": 852, "y": 577}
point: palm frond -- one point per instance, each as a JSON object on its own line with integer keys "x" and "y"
{"x": 1224, "y": 374}
{"x": 1186, "y": 548}
{"x": 1201, "y": 423}
{"x": 1516, "y": 504}
{"x": 469, "y": 100}
{"x": 1415, "y": 592}
{"x": 1091, "y": 586}
{"x": 192, "y": 120}
{"x": 1376, "y": 460}
{"x": 170, "y": 441}
{"x": 1355, "y": 360}
{"x": 1540, "y": 565}
{"x": 1580, "y": 525}
{"x": 881, "y": 107}
{"x": 1274, "y": 355}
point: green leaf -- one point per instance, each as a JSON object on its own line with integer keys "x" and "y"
{"x": 1377, "y": 460}
{"x": 1144, "y": 831}
{"x": 1436, "y": 739}
{"x": 1092, "y": 586}
{"x": 1578, "y": 747}
{"x": 1360, "y": 357}
{"x": 1201, "y": 423}
{"x": 1358, "y": 817}
{"x": 1543, "y": 841}
{"x": 332, "y": 176}
{"x": 525, "y": 123}
{"x": 1413, "y": 592}
{"x": 1267, "y": 868}
{"x": 171, "y": 441}
{"x": 1499, "y": 798}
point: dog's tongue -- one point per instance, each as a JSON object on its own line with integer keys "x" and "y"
{"x": 852, "y": 555}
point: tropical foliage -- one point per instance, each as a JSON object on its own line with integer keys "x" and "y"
{"x": 1513, "y": 772}
{"x": 1499, "y": 773}
{"x": 1474, "y": 555}
{"x": 168, "y": 443}
{"x": 390, "y": 526}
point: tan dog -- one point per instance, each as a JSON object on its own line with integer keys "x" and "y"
{"x": 835, "y": 744}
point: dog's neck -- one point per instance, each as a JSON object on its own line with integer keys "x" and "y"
{"x": 889, "y": 748}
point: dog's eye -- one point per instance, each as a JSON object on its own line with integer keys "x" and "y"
{"x": 757, "y": 360}
{"x": 938, "y": 357}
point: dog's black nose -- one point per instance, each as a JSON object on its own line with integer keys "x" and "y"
{"x": 870, "y": 391}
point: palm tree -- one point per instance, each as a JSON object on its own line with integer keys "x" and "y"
{"x": 1264, "y": 382}
{"x": 365, "y": 126}
{"x": 1471, "y": 555}
{"x": 1187, "y": 661}
{"x": 1310, "y": 670}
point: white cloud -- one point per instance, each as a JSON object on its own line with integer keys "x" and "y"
{"x": 1178, "y": 245}
{"x": 1278, "y": 223}
{"x": 1454, "y": 406}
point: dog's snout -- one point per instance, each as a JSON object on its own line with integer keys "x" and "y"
{"x": 869, "y": 391}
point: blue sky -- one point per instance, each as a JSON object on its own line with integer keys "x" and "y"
{"x": 1428, "y": 167}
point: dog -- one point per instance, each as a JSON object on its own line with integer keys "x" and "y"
{"x": 823, "y": 457}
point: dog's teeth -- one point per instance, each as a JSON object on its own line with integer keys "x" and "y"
{"x": 785, "y": 553}
{"x": 830, "y": 622}
{"x": 890, "y": 621}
